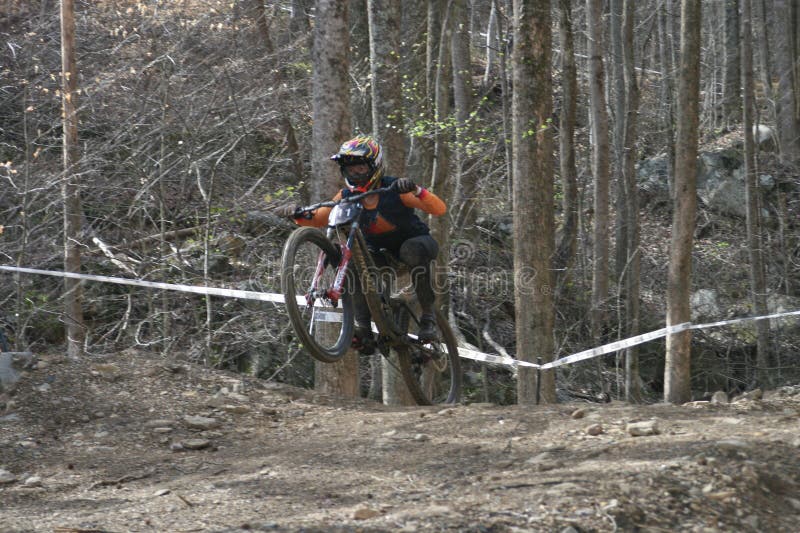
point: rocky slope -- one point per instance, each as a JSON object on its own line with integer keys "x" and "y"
{"x": 133, "y": 442}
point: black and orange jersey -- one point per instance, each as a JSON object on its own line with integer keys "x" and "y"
{"x": 388, "y": 219}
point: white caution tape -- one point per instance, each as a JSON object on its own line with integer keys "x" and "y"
{"x": 580, "y": 356}
{"x": 334, "y": 316}
{"x": 196, "y": 289}
{"x": 744, "y": 319}
{"x": 653, "y": 335}
{"x": 475, "y": 355}
{"x": 618, "y": 345}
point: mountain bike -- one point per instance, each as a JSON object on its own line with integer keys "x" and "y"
{"x": 318, "y": 275}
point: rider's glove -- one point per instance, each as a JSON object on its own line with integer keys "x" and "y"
{"x": 404, "y": 185}
{"x": 286, "y": 210}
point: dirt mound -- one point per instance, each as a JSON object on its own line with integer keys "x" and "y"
{"x": 133, "y": 442}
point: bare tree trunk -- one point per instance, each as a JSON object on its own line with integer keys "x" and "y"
{"x": 677, "y": 376}
{"x": 387, "y": 124}
{"x": 166, "y": 322}
{"x": 466, "y": 184}
{"x": 600, "y": 168}
{"x": 360, "y": 65}
{"x": 795, "y": 32}
{"x": 667, "y": 68}
{"x": 418, "y": 102}
{"x": 441, "y": 184}
{"x": 262, "y": 24}
{"x": 616, "y": 68}
{"x": 633, "y": 392}
{"x": 492, "y": 44}
{"x": 765, "y": 62}
{"x": 207, "y": 232}
{"x": 732, "y": 101}
{"x": 505, "y": 83}
{"x": 711, "y": 110}
{"x": 788, "y": 127}
{"x": 566, "y": 135}
{"x": 674, "y": 35}
{"x": 758, "y": 285}
{"x": 387, "y": 98}
{"x": 785, "y": 237}
{"x": 532, "y": 107}
{"x": 432, "y": 42}
{"x": 70, "y": 187}
{"x": 21, "y": 343}
{"x": 331, "y": 126}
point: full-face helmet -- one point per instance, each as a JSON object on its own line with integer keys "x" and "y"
{"x": 361, "y": 162}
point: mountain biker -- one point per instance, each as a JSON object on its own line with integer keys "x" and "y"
{"x": 389, "y": 223}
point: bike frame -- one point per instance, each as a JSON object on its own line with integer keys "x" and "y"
{"x": 334, "y": 293}
{"x": 363, "y": 260}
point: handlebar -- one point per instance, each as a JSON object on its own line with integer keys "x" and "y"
{"x": 300, "y": 211}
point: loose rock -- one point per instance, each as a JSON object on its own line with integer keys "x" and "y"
{"x": 108, "y": 372}
{"x": 578, "y": 413}
{"x": 594, "y": 429}
{"x": 236, "y": 409}
{"x": 196, "y": 444}
{"x": 33, "y": 481}
{"x": 643, "y": 429}
{"x": 733, "y": 445}
{"x": 755, "y": 394}
{"x": 365, "y": 513}
{"x": 719, "y": 398}
{"x": 159, "y": 424}
{"x": 6, "y": 477}
{"x": 201, "y": 422}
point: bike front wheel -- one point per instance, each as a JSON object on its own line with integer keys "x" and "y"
{"x": 431, "y": 371}
{"x": 309, "y": 265}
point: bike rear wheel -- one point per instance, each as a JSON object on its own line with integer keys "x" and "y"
{"x": 432, "y": 372}
{"x": 308, "y": 269}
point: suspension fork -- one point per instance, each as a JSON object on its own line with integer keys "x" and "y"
{"x": 334, "y": 293}
{"x": 311, "y": 295}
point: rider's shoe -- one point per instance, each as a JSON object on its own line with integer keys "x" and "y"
{"x": 427, "y": 328}
{"x": 364, "y": 340}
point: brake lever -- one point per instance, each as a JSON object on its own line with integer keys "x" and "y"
{"x": 302, "y": 212}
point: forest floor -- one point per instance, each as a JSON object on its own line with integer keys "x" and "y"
{"x": 132, "y": 442}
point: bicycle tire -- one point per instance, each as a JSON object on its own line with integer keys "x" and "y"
{"x": 419, "y": 370}
{"x": 298, "y": 261}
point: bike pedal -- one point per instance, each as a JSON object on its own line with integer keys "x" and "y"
{"x": 364, "y": 344}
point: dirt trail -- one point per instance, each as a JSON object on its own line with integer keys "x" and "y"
{"x": 130, "y": 442}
